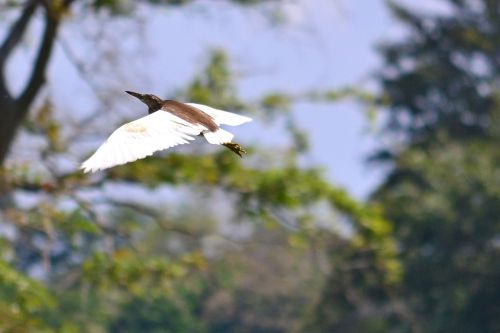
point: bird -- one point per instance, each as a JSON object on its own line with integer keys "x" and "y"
{"x": 169, "y": 123}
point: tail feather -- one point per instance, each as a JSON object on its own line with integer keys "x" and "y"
{"x": 218, "y": 137}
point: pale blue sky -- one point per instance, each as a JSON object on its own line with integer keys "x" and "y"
{"x": 326, "y": 44}
{"x": 322, "y": 44}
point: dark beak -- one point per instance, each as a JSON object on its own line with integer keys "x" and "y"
{"x": 134, "y": 94}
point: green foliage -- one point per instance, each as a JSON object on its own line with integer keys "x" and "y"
{"x": 45, "y": 124}
{"x": 124, "y": 6}
{"x": 441, "y": 194}
{"x": 102, "y": 258}
{"x": 449, "y": 227}
{"x": 157, "y": 263}
{"x": 443, "y": 76}
{"x": 215, "y": 85}
{"x": 124, "y": 269}
{"x": 274, "y": 104}
{"x": 23, "y": 301}
{"x": 261, "y": 191}
{"x": 159, "y": 315}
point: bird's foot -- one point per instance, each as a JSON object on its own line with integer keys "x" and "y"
{"x": 235, "y": 148}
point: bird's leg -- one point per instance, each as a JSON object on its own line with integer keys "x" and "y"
{"x": 235, "y": 148}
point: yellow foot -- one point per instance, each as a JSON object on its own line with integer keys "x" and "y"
{"x": 235, "y": 148}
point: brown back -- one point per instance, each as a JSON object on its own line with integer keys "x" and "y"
{"x": 190, "y": 114}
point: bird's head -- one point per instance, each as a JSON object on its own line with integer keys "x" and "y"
{"x": 153, "y": 102}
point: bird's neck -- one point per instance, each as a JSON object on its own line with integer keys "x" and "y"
{"x": 153, "y": 108}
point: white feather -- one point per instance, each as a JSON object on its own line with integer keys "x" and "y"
{"x": 218, "y": 137}
{"x": 222, "y": 117}
{"x": 140, "y": 138}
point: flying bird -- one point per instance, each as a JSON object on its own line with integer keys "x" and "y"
{"x": 169, "y": 123}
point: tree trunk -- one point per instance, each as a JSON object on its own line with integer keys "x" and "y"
{"x": 8, "y": 128}
{"x": 13, "y": 109}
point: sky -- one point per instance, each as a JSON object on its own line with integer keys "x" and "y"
{"x": 318, "y": 45}
{"x": 321, "y": 45}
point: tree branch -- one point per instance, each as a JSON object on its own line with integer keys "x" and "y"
{"x": 37, "y": 78}
{"x": 16, "y": 31}
{"x": 13, "y": 38}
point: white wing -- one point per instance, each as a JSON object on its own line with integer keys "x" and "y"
{"x": 140, "y": 138}
{"x": 222, "y": 117}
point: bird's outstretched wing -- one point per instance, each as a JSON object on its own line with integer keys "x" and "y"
{"x": 140, "y": 138}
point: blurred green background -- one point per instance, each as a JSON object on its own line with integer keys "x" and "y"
{"x": 197, "y": 240}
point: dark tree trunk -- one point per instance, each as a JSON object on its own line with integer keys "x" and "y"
{"x": 13, "y": 109}
{"x": 8, "y": 127}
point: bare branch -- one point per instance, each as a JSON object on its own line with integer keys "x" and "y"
{"x": 156, "y": 216}
{"x": 17, "y": 30}
{"x": 84, "y": 75}
{"x": 37, "y": 78}
{"x": 13, "y": 38}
